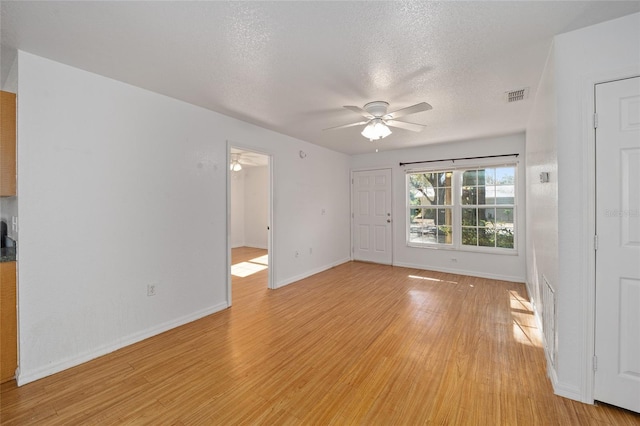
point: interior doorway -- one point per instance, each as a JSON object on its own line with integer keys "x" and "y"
{"x": 249, "y": 223}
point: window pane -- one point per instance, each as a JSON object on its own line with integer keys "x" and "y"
{"x": 444, "y": 235}
{"x": 469, "y": 217}
{"x": 482, "y": 180}
{"x": 415, "y": 215}
{"x": 469, "y": 195}
{"x": 489, "y": 176}
{"x": 470, "y": 178}
{"x": 505, "y": 194}
{"x": 444, "y": 217}
{"x": 448, "y": 181}
{"x": 504, "y": 238}
{"x": 422, "y": 228}
{"x": 505, "y": 175}
{"x": 443, "y": 196}
{"x": 504, "y": 217}
{"x": 482, "y": 195}
{"x": 430, "y": 189}
{"x": 430, "y": 198}
{"x": 431, "y": 177}
{"x": 429, "y": 215}
{"x": 415, "y": 223}
{"x": 486, "y": 216}
{"x": 443, "y": 178}
{"x": 420, "y": 190}
{"x": 486, "y": 237}
{"x": 470, "y": 236}
{"x": 504, "y": 228}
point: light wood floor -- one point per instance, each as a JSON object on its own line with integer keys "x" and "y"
{"x": 358, "y": 344}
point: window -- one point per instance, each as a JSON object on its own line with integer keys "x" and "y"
{"x": 430, "y": 207}
{"x": 470, "y": 209}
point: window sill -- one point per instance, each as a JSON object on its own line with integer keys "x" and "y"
{"x": 500, "y": 251}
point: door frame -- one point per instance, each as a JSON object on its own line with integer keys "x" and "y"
{"x": 393, "y": 212}
{"x": 588, "y": 252}
{"x": 270, "y": 218}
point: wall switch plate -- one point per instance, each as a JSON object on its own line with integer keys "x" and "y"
{"x": 544, "y": 177}
{"x": 151, "y": 289}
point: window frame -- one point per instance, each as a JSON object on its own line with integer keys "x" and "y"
{"x": 457, "y": 206}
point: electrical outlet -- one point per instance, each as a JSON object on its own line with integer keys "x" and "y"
{"x": 310, "y": 250}
{"x": 151, "y": 289}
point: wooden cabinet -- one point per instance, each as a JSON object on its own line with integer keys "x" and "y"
{"x": 8, "y": 318}
{"x": 7, "y": 144}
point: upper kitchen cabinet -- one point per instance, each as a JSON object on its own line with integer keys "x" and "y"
{"x": 8, "y": 144}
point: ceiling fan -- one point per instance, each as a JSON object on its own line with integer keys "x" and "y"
{"x": 378, "y": 120}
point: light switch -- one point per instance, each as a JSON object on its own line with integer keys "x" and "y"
{"x": 544, "y": 177}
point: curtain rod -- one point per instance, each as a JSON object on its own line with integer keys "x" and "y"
{"x": 460, "y": 158}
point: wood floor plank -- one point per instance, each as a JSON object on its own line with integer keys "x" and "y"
{"x": 357, "y": 344}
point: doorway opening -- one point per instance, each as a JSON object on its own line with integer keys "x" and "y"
{"x": 249, "y": 224}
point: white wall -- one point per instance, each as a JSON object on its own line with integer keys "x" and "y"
{"x": 256, "y": 202}
{"x": 250, "y": 207}
{"x": 602, "y": 52}
{"x": 581, "y": 58}
{"x": 542, "y": 198}
{"x": 237, "y": 208}
{"x": 506, "y": 267}
{"x": 121, "y": 188}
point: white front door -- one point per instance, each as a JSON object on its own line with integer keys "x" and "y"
{"x": 371, "y": 192}
{"x": 617, "y": 338}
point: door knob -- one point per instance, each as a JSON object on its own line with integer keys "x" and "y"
{"x": 388, "y": 220}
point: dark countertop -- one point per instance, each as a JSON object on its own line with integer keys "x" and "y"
{"x": 8, "y": 254}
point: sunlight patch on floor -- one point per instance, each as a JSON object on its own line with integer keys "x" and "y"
{"x": 417, "y": 277}
{"x": 262, "y": 260}
{"x": 244, "y": 269}
{"x": 525, "y": 329}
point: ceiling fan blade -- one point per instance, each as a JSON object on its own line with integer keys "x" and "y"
{"x": 344, "y": 126}
{"x": 422, "y": 106}
{"x": 404, "y": 125}
{"x": 360, "y": 111}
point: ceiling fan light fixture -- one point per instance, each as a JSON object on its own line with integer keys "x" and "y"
{"x": 376, "y": 129}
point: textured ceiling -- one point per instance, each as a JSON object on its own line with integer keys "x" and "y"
{"x": 291, "y": 66}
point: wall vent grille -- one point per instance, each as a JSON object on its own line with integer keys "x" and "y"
{"x": 517, "y": 95}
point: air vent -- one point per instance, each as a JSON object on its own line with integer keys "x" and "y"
{"x": 517, "y": 95}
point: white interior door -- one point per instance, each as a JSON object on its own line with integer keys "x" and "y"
{"x": 371, "y": 191}
{"x": 617, "y": 339}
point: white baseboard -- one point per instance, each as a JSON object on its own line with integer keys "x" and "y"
{"x": 311, "y": 272}
{"x": 258, "y": 246}
{"x": 561, "y": 389}
{"x": 462, "y": 272}
{"x": 24, "y": 377}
